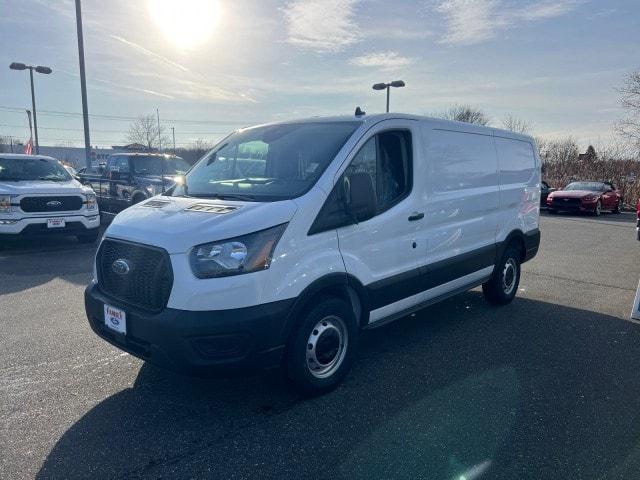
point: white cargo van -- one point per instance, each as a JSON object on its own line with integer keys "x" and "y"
{"x": 285, "y": 240}
{"x": 39, "y": 198}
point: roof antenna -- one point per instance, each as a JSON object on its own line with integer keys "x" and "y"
{"x": 359, "y": 112}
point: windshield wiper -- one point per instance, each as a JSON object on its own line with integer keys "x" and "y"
{"x": 224, "y": 196}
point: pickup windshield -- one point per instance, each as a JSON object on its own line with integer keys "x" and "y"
{"x": 274, "y": 162}
{"x": 157, "y": 165}
{"x": 29, "y": 169}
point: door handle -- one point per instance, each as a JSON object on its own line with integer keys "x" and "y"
{"x": 416, "y": 216}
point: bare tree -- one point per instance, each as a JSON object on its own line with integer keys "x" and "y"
{"x": 465, "y": 113}
{"x": 516, "y": 124}
{"x": 200, "y": 145}
{"x": 145, "y": 130}
{"x": 630, "y": 101}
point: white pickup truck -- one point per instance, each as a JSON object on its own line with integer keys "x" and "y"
{"x": 38, "y": 197}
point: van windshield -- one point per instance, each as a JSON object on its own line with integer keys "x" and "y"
{"x": 29, "y": 169}
{"x": 269, "y": 163}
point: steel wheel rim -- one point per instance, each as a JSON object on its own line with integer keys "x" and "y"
{"x": 509, "y": 275}
{"x": 327, "y": 346}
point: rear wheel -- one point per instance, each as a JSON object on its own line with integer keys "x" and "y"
{"x": 618, "y": 208}
{"x": 322, "y": 347}
{"x": 503, "y": 285}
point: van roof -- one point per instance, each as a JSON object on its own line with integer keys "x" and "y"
{"x": 437, "y": 122}
{"x": 22, "y": 156}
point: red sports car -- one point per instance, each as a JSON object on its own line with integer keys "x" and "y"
{"x": 592, "y": 197}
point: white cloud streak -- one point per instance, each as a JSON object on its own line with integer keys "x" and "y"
{"x": 383, "y": 60}
{"x": 471, "y": 22}
{"x": 321, "y": 25}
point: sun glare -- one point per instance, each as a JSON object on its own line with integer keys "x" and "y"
{"x": 186, "y": 23}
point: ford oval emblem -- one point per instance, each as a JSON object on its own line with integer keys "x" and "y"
{"x": 54, "y": 203}
{"x": 121, "y": 266}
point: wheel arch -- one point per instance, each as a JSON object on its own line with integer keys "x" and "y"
{"x": 515, "y": 237}
{"x": 341, "y": 285}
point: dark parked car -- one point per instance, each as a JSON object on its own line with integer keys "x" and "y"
{"x": 592, "y": 197}
{"x": 545, "y": 190}
{"x": 129, "y": 178}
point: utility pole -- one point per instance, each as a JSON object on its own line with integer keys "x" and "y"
{"x": 173, "y": 133}
{"x": 83, "y": 86}
{"x": 159, "y": 136}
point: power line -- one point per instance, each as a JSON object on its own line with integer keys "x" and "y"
{"x": 123, "y": 118}
{"x": 123, "y": 132}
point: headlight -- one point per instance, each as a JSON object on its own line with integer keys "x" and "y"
{"x": 235, "y": 256}
{"x": 91, "y": 201}
{"x": 5, "y": 203}
{"x": 154, "y": 189}
{"x": 590, "y": 198}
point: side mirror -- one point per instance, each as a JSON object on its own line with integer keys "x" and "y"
{"x": 360, "y": 196}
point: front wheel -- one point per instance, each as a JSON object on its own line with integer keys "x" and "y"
{"x": 503, "y": 284}
{"x": 598, "y": 210}
{"x": 322, "y": 347}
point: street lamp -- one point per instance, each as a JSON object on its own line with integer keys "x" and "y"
{"x": 39, "y": 69}
{"x": 387, "y": 87}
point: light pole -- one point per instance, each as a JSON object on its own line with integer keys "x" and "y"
{"x": 83, "y": 85}
{"x": 39, "y": 69}
{"x": 387, "y": 87}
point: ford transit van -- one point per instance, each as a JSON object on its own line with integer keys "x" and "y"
{"x": 286, "y": 239}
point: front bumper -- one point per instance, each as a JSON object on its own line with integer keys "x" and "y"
{"x": 571, "y": 206}
{"x": 201, "y": 343}
{"x": 33, "y": 227}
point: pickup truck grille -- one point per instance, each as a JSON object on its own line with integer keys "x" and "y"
{"x": 51, "y": 204}
{"x": 138, "y": 275}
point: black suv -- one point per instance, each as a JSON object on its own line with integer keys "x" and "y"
{"x": 129, "y": 178}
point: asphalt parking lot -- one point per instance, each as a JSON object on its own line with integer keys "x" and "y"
{"x": 547, "y": 387}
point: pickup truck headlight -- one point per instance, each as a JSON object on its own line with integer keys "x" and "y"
{"x": 235, "y": 256}
{"x": 5, "y": 203}
{"x": 91, "y": 201}
{"x": 154, "y": 189}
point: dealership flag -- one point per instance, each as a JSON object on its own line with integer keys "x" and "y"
{"x": 28, "y": 148}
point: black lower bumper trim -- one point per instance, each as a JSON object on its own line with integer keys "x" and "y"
{"x": 531, "y": 244}
{"x": 40, "y": 230}
{"x": 203, "y": 343}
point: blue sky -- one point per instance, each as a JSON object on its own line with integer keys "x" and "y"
{"x": 211, "y": 66}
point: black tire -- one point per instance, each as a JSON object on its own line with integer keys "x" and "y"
{"x": 503, "y": 285}
{"x": 618, "y": 208}
{"x": 302, "y": 358}
{"x": 552, "y": 211}
{"x": 138, "y": 198}
{"x": 89, "y": 237}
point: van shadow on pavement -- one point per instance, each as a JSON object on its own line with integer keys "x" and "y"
{"x": 531, "y": 390}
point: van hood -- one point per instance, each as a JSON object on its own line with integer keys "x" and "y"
{"x": 42, "y": 187}
{"x": 177, "y": 223}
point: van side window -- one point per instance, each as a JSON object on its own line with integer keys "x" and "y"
{"x": 387, "y": 158}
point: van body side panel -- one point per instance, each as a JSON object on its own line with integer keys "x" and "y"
{"x": 389, "y": 247}
{"x": 520, "y": 186}
{"x": 463, "y": 209}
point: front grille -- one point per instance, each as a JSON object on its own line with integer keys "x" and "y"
{"x": 148, "y": 278}
{"x": 51, "y": 204}
{"x": 567, "y": 202}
